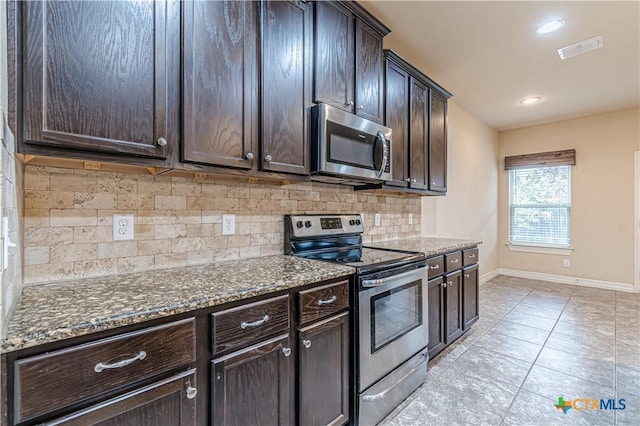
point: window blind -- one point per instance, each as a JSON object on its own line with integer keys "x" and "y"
{"x": 540, "y": 205}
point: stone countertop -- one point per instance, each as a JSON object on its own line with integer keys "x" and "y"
{"x": 52, "y": 312}
{"x": 430, "y": 246}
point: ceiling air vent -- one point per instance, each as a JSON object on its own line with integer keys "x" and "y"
{"x": 580, "y": 47}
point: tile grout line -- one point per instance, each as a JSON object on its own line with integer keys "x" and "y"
{"x": 537, "y": 356}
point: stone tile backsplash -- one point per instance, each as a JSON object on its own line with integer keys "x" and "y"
{"x": 68, "y": 220}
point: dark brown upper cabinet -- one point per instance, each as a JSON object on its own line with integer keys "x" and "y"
{"x": 220, "y": 83}
{"x": 397, "y": 111}
{"x": 286, "y": 86}
{"x": 416, "y": 111}
{"x": 348, "y": 63}
{"x": 438, "y": 144}
{"x": 100, "y": 76}
{"x": 419, "y": 125}
{"x": 369, "y": 72}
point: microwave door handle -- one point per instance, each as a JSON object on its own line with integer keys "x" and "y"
{"x": 385, "y": 153}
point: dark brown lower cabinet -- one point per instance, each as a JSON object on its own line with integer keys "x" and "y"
{"x": 470, "y": 296}
{"x": 254, "y": 386}
{"x": 166, "y": 402}
{"x": 324, "y": 372}
{"x": 453, "y": 302}
{"x": 436, "y": 317}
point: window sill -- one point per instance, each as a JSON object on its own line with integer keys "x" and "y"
{"x": 559, "y": 251}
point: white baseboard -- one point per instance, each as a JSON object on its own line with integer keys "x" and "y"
{"x": 563, "y": 279}
{"x": 489, "y": 275}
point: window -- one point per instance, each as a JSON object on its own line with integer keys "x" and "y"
{"x": 540, "y": 206}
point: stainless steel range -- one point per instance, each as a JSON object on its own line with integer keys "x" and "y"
{"x": 390, "y": 308}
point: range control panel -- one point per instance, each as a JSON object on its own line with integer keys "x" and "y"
{"x": 319, "y": 225}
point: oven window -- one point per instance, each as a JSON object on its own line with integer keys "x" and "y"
{"x": 395, "y": 313}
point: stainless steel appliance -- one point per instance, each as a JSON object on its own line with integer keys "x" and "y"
{"x": 347, "y": 148}
{"x": 389, "y": 306}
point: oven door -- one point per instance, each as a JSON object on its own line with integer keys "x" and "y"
{"x": 392, "y": 321}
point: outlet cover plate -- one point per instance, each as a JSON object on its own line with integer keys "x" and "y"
{"x": 122, "y": 227}
{"x": 228, "y": 224}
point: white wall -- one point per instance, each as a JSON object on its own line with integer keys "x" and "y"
{"x": 469, "y": 210}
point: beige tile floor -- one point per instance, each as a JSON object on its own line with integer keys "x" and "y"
{"x": 534, "y": 342}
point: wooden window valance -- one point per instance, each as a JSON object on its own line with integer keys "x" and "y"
{"x": 542, "y": 159}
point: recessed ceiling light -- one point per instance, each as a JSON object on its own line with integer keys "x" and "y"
{"x": 550, "y": 26}
{"x": 530, "y": 100}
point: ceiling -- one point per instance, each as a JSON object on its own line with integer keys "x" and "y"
{"x": 489, "y": 56}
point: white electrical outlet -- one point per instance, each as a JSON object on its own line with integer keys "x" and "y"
{"x": 122, "y": 227}
{"x": 376, "y": 219}
{"x": 228, "y": 224}
{"x": 567, "y": 263}
{"x": 410, "y": 218}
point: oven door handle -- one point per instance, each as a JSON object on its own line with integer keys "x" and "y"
{"x": 381, "y": 281}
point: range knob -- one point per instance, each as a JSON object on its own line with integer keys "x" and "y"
{"x": 299, "y": 224}
{"x": 352, "y": 222}
{"x": 358, "y": 222}
{"x": 307, "y": 224}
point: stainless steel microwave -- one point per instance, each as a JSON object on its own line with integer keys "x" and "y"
{"x": 348, "y": 149}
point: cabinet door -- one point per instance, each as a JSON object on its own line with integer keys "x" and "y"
{"x": 418, "y": 115}
{"x": 254, "y": 386}
{"x": 470, "y": 295}
{"x": 397, "y": 118}
{"x": 286, "y": 86}
{"x": 220, "y": 83}
{"x": 324, "y": 372}
{"x": 368, "y": 77}
{"x": 438, "y": 145}
{"x": 167, "y": 402}
{"x": 436, "y": 317}
{"x": 334, "y": 59}
{"x": 453, "y": 306}
{"x": 102, "y": 76}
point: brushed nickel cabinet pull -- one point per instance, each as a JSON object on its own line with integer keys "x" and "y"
{"x": 434, "y": 267}
{"x": 101, "y": 366}
{"x": 328, "y": 301}
{"x": 245, "y": 324}
{"x": 455, "y": 260}
{"x": 162, "y": 142}
{"x": 306, "y": 343}
{"x": 286, "y": 351}
{"x": 191, "y": 392}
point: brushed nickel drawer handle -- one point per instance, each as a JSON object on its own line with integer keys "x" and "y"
{"x": 434, "y": 267}
{"x": 286, "y": 351}
{"x": 328, "y": 301}
{"x": 455, "y": 260}
{"x": 466, "y": 275}
{"x": 472, "y": 256}
{"x": 102, "y": 366}
{"x": 306, "y": 343}
{"x": 245, "y": 324}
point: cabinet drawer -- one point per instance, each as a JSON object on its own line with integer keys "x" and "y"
{"x": 453, "y": 261}
{"x": 469, "y": 256}
{"x": 436, "y": 266}
{"x": 245, "y": 324}
{"x": 56, "y": 379}
{"x": 322, "y": 301}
